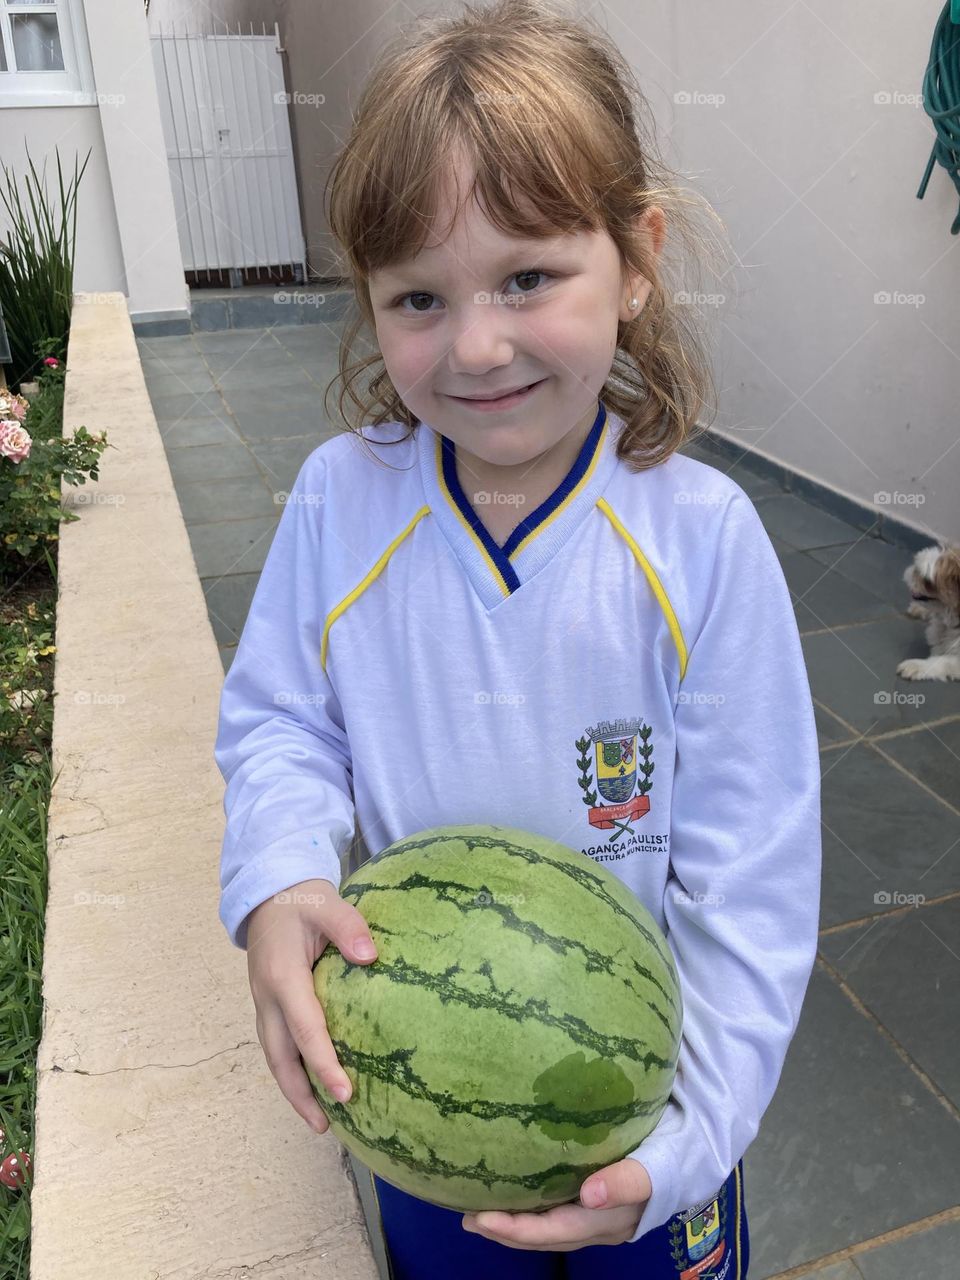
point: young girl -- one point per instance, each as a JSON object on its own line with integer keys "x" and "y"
{"x": 504, "y": 597}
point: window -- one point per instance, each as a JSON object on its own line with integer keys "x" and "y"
{"x": 43, "y": 54}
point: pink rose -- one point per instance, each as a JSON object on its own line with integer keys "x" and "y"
{"x": 14, "y": 441}
{"x": 51, "y": 362}
{"x": 12, "y": 406}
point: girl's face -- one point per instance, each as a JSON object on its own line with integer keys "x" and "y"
{"x": 483, "y": 313}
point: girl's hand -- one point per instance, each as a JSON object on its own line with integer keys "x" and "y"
{"x": 598, "y": 1219}
{"x": 285, "y": 935}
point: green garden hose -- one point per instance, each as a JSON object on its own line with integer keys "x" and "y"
{"x": 941, "y": 99}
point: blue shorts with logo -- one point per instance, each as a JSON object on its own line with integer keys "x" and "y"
{"x": 708, "y": 1241}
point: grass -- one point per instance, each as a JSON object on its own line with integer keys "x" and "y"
{"x": 26, "y": 622}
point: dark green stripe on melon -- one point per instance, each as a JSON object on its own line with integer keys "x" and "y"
{"x": 446, "y": 989}
{"x": 585, "y": 872}
{"x": 524, "y": 1006}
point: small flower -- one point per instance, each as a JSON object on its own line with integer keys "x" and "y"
{"x": 13, "y": 406}
{"x": 53, "y": 364}
{"x": 15, "y": 442}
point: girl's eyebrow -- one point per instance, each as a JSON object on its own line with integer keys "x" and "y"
{"x": 404, "y": 271}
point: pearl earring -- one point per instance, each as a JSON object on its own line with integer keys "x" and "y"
{"x": 633, "y": 302}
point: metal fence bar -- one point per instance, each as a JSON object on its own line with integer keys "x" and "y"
{"x": 265, "y": 129}
{"x": 176, "y": 139}
{"x": 257, "y": 255}
{"x": 236, "y": 239}
{"x": 259, "y": 146}
{"x": 203, "y": 153}
{"x": 288, "y": 223}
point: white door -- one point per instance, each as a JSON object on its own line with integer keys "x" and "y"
{"x": 227, "y": 134}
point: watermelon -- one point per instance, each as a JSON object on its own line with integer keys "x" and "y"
{"x": 519, "y": 1029}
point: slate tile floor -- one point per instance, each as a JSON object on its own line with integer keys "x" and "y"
{"x": 856, "y": 1172}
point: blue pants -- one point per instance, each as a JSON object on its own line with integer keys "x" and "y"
{"x": 425, "y": 1242}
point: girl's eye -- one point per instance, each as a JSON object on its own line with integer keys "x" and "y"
{"x": 426, "y": 311}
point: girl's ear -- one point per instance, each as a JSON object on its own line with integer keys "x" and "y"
{"x": 652, "y": 225}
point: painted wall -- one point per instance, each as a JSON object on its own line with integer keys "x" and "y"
{"x": 836, "y": 332}
{"x": 839, "y": 345}
{"x": 73, "y": 130}
{"x": 126, "y": 227}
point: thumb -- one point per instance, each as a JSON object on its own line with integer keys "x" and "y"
{"x": 347, "y": 929}
{"x": 626, "y": 1182}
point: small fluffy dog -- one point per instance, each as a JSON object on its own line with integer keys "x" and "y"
{"x": 934, "y": 582}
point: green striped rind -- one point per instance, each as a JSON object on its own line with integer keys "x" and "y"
{"x": 477, "y": 1084}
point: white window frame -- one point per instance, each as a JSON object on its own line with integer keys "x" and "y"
{"x": 71, "y": 87}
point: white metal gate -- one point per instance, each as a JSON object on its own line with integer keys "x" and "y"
{"x": 227, "y": 135}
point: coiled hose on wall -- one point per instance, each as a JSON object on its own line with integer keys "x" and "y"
{"x": 941, "y": 99}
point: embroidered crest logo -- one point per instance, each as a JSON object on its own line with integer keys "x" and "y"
{"x": 698, "y": 1239}
{"x": 618, "y": 770}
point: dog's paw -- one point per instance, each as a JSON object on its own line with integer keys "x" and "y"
{"x": 917, "y": 609}
{"x": 936, "y": 667}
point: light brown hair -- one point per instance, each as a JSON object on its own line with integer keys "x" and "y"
{"x": 551, "y": 118}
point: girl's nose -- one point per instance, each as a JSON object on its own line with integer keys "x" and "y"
{"x": 484, "y": 336}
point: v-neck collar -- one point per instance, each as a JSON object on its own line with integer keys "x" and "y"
{"x": 497, "y": 572}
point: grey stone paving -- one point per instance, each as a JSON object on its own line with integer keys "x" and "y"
{"x": 863, "y": 1135}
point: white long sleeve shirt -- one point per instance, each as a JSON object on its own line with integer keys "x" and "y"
{"x": 625, "y": 675}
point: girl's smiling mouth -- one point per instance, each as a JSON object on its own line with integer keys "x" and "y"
{"x": 502, "y": 402}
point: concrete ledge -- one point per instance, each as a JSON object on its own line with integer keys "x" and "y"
{"x": 884, "y": 525}
{"x": 163, "y": 1145}
{"x": 262, "y": 306}
{"x": 250, "y": 307}
{"x": 160, "y": 327}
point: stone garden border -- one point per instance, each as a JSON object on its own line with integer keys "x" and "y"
{"x": 163, "y": 1146}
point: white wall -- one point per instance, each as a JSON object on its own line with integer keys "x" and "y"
{"x": 99, "y": 261}
{"x": 126, "y": 226}
{"x": 816, "y": 184}
{"x": 137, "y": 156}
